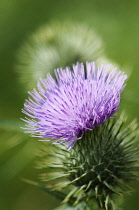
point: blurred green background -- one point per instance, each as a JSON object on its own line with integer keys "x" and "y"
{"x": 116, "y": 22}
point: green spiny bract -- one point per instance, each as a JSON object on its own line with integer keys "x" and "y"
{"x": 99, "y": 166}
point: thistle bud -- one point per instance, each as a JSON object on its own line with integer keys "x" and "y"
{"x": 56, "y": 45}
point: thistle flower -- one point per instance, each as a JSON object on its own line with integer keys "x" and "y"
{"x": 77, "y": 101}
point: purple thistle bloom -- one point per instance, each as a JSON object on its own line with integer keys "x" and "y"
{"x": 78, "y": 100}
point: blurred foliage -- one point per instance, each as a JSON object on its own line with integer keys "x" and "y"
{"x": 117, "y": 24}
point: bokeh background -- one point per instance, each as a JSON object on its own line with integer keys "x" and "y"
{"x": 116, "y": 22}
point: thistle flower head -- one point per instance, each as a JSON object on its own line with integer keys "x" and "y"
{"x": 77, "y": 101}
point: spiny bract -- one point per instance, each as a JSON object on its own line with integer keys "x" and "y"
{"x": 99, "y": 166}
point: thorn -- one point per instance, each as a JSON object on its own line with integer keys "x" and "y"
{"x": 28, "y": 181}
{"x": 88, "y": 185}
{"x": 96, "y": 191}
{"x": 106, "y": 202}
{"x": 111, "y": 188}
{"x": 69, "y": 195}
{"x": 99, "y": 178}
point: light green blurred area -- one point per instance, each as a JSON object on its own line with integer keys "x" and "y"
{"x": 116, "y": 22}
